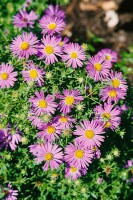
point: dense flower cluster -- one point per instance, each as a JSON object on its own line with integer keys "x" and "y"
{"x": 60, "y": 107}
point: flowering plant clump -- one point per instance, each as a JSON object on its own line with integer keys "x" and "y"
{"x": 59, "y": 107}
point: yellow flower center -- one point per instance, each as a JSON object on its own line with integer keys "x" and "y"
{"x": 49, "y": 156}
{"x": 4, "y": 76}
{"x": 24, "y": 45}
{"x": 112, "y": 93}
{"x": 115, "y": 83}
{"x": 89, "y": 134}
{"x": 42, "y": 104}
{"x": 33, "y": 73}
{"x": 107, "y": 57}
{"x": 69, "y": 100}
{"x": 52, "y": 26}
{"x": 74, "y": 55}
{"x": 61, "y": 44}
{"x": 79, "y": 153}
{"x": 73, "y": 169}
{"x": 107, "y": 124}
{"x": 63, "y": 119}
{"x": 93, "y": 148}
{"x": 50, "y": 130}
{"x": 49, "y": 50}
{"x": 106, "y": 115}
{"x": 98, "y": 67}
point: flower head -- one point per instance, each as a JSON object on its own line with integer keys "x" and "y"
{"x": 73, "y": 55}
{"x": 55, "y": 12}
{"x": 10, "y": 194}
{"x": 50, "y": 131}
{"x": 90, "y": 133}
{"x": 78, "y": 155}
{"x": 109, "y": 115}
{"x": 43, "y": 104}
{"x": 108, "y": 55}
{"x": 98, "y": 68}
{"x": 50, "y": 49}
{"x": 24, "y": 45}
{"x": 52, "y": 155}
{"x": 8, "y": 139}
{"x": 68, "y": 100}
{"x": 65, "y": 121}
{"x": 112, "y": 94}
{"x": 63, "y": 41}
{"x": 7, "y": 76}
{"x": 33, "y": 73}
{"x": 116, "y": 80}
{"x": 73, "y": 172}
{"x": 24, "y": 19}
{"x": 51, "y": 25}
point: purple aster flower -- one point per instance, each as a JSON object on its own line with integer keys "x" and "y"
{"x": 73, "y": 172}
{"x": 73, "y": 55}
{"x": 109, "y": 115}
{"x": 98, "y": 68}
{"x": 51, "y": 25}
{"x": 65, "y": 121}
{"x": 24, "y": 19}
{"x": 108, "y": 55}
{"x": 116, "y": 80}
{"x": 25, "y": 45}
{"x": 7, "y": 76}
{"x": 55, "y": 12}
{"x": 8, "y": 139}
{"x": 68, "y": 100}
{"x": 78, "y": 155}
{"x": 129, "y": 164}
{"x": 33, "y": 73}
{"x": 96, "y": 151}
{"x": 90, "y": 133}
{"x": 50, "y": 49}
{"x": 10, "y": 194}
{"x": 34, "y": 149}
{"x": 43, "y": 104}
{"x": 124, "y": 107}
{"x": 35, "y": 120}
{"x": 27, "y": 4}
{"x": 50, "y": 131}
{"x": 52, "y": 155}
{"x": 112, "y": 94}
{"x": 63, "y": 41}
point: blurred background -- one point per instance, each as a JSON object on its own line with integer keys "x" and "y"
{"x": 101, "y": 23}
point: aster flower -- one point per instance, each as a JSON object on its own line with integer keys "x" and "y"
{"x": 129, "y": 164}
{"x": 90, "y": 133}
{"x": 109, "y": 115}
{"x": 8, "y": 139}
{"x": 78, "y": 155}
{"x": 50, "y": 131}
{"x": 73, "y": 172}
{"x": 52, "y": 155}
{"x": 24, "y": 45}
{"x": 108, "y": 55}
{"x": 24, "y": 19}
{"x": 63, "y": 41}
{"x": 98, "y": 68}
{"x": 50, "y": 49}
{"x": 33, "y": 73}
{"x": 51, "y": 25}
{"x": 96, "y": 151}
{"x": 34, "y": 149}
{"x": 7, "y": 76}
{"x": 73, "y": 55}
{"x": 35, "y": 120}
{"x": 65, "y": 121}
{"x": 43, "y": 104}
{"x": 116, "y": 80}
{"x": 10, "y": 194}
{"x": 27, "y": 3}
{"x": 112, "y": 94}
{"x": 68, "y": 100}
{"x": 55, "y": 12}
